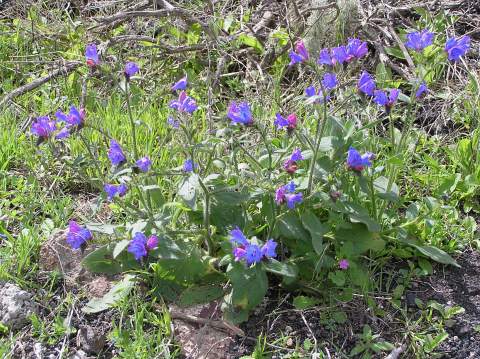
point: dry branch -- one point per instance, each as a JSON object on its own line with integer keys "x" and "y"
{"x": 66, "y": 69}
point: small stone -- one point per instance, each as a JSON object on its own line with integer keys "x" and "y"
{"x": 90, "y": 340}
{"x": 38, "y": 350}
{"x": 289, "y": 342}
{"x": 16, "y": 306}
{"x": 464, "y": 329}
{"x": 410, "y": 297}
{"x": 80, "y": 354}
{"x": 288, "y": 329}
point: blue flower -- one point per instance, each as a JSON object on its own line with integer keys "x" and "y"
{"x": 237, "y": 237}
{"x": 112, "y": 190}
{"x": 239, "y": 253}
{"x": 188, "y": 166}
{"x": 356, "y": 49}
{"x": 63, "y": 133}
{"x": 296, "y": 155}
{"x": 366, "y": 84}
{"x": 290, "y": 187}
{"x": 115, "y": 153}
{"x": 293, "y": 198}
{"x": 131, "y": 68}
{"x": 339, "y": 55}
{"x": 77, "y": 235}
{"x": 381, "y": 98}
{"x": 91, "y": 55}
{"x": 172, "y": 122}
{"x": 310, "y": 91}
{"x": 422, "y": 89}
{"x": 457, "y": 48}
{"x": 268, "y": 249}
{"x": 357, "y": 162}
{"x": 144, "y": 164}
{"x": 253, "y": 254}
{"x": 299, "y": 55}
{"x": 74, "y": 117}
{"x": 329, "y": 81}
{"x": 290, "y": 122}
{"x": 184, "y": 103}
{"x": 138, "y": 246}
{"x": 43, "y": 127}
{"x": 324, "y": 58}
{"x": 180, "y": 84}
{"x": 240, "y": 113}
{"x": 419, "y": 40}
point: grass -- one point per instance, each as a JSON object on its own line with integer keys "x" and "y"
{"x": 37, "y": 196}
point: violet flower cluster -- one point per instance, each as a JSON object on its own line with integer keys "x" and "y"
{"x": 140, "y": 245}
{"x": 251, "y": 253}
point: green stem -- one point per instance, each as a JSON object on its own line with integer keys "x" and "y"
{"x": 373, "y": 197}
{"x": 130, "y": 116}
{"x": 318, "y": 137}
{"x": 206, "y": 216}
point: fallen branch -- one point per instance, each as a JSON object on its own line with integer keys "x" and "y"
{"x": 131, "y": 38}
{"x": 66, "y": 69}
{"x": 219, "y": 324}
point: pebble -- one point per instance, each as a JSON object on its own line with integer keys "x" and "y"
{"x": 16, "y": 306}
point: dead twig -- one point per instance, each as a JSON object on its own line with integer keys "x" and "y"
{"x": 65, "y": 70}
{"x": 219, "y": 324}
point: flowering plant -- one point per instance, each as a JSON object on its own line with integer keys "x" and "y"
{"x": 304, "y": 201}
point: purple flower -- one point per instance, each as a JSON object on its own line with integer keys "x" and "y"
{"x": 299, "y": 55}
{"x": 293, "y": 198}
{"x": 138, "y": 246}
{"x": 172, "y": 122}
{"x": 180, "y": 84}
{"x": 422, "y": 89}
{"x": 77, "y": 235}
{"x": 253, "y": 254}
{"x": 356, "y": 49}
{"x": 240, "y": 113}
{"x": 188, "y": 166}
{"x": 74, "y": 117}
{"x": 325, "y": 58}
{"x": 419, "y": 40}
{"x": 310, "y": 91}
{"x": 381, "y": 98}
{"x": 290, "y": 122}
{"x": 91, "y": 55}
{"x": 366, "y": 84}
{"x": 239, "y": 253}
{"x": 329, "y": 81}
{"x": 43, "y": 127}
{"x": 112, "y": 190}
{"x": 357, "y": 162}
{"x": 286, "y": 194}
{"x": 63, "y": 133}
{"x": 144, "y": 164}
{"x": 339, "y": 55}
{"x": 296, "y": 155}
{"x": 290, "y": 165}
{"x": 343, "y": 264}
{"x": 115, "y": 153}
{"x": 152, "y": 242}
{"x": 457, "y": 48}
{"x": 237, "y": 237}
{"x": 131, "y": 68}
{"x": 184, "y": 103}
{"x": 268, "y": 249}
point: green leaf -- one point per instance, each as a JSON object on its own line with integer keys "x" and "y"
{"x": 251, "y": 41}
{"x": 102, "y": 228}
{"x": 116, "y": 293}
{"x": 289, "y": 226}
{"x": 432, "y": 252}
{"x": 120, "y": 247}
{"x": 337, "y": 277}
{"x": 200, "y": 294}
{"x": 362, "y": 239}
{"x": 316, "y": 228}
{"x": 281, "y": 268}
{"x": 302, "y": 302}
{"x": 395, "y": 51}
{"x": 187, "y": 190}
{"x": 101, "y": 261}
{"x": 381, "y": 185}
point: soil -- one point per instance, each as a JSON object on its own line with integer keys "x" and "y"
{"x": 277, "y": 318}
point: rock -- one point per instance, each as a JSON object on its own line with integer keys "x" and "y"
{"x": 289, "y": 342}
{"x": 16, "y": 306}
{"x": 38, "y": 350}
{"x": 463, "y": 330}
{"x": 90, "y": 339}
{"x": 198, "y": 341}
{"x": 99, "y": 286}
{"x": 288, "y": 329}
{"x": 80, "y": 354}
{"x": 56, "y": 254}
{"x": 410, "y": 298}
